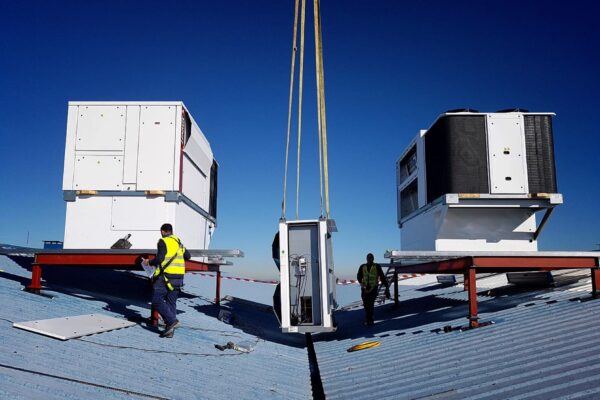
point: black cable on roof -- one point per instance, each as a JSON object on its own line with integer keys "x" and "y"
{"x": 178, "y": 353}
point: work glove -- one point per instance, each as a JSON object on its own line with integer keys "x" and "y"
{"x": 387, "y": 293}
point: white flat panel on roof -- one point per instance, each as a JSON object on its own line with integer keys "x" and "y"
{"x": 74, "y": 327}
{"x": 101, "y": 128}
{"x": 506, "y": 152}
{"x": 98, "y": 172}
{"x": 140, "y": 213}
{"x": 156, "y": 155}
{"x": 132, "y": 132}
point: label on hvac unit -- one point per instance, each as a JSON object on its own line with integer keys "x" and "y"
{"x": 506, "y": 153}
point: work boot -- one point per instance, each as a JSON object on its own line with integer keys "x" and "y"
{"x": 170, "y": 329}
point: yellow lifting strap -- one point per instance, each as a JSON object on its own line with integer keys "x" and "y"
{"x": 290, "y": 103}
{"x": 322, "y": 120}
{"x": 300, "y": 85}
{"x": 300, "y": 14}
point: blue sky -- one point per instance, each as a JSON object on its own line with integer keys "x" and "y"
{"x": 390, "y": 68}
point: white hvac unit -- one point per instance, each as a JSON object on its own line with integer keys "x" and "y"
{"x": 132, "y": 166}
{"x": 474, "y": 181}
{"x": 305, "y": 300}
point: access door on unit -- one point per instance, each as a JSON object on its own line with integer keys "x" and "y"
{"x": 305, "y": 297}
{"x": 506, "y": 152}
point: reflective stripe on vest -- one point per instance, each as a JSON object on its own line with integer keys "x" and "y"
{"x": 369, "y": 277}
{"x": 177, "y": 266}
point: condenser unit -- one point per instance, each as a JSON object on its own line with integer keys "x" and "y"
{"x": 475, "y": 181}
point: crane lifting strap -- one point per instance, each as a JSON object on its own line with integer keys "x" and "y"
{"x": 300, "y": 18}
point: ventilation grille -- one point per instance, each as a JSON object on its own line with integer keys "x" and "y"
{"x": 456, "y": 156}
{"x": 539, "y": 144}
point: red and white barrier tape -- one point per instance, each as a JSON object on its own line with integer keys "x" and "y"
{"x": 234, "y": 278}
{"x": 355, "y": 282}
{"x": 339, "y": 281}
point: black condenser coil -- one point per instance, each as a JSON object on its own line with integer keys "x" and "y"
{"x": 539, "y": 145}
{"x": 456, "y": 156}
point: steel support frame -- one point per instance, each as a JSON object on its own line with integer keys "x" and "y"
{"x": 396, "y": 292}
{"x": 469, "y": 266}
{"x": 471, "y": 276}
{"x": 120, "y": 261}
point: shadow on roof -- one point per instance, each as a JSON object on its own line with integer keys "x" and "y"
{"x": 254, "y": 319}
{"x": 412, "y": 314}
{"x": 125, "y": 293}
{"x": 119, "y": 290}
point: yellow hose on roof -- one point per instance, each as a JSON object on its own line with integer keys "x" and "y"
{"x": 364, "y": 346}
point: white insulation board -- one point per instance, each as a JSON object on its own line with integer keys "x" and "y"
{"x": 73, "y": 327}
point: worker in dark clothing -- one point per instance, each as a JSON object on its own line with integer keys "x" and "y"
{"x": 368, "y": 275}
{"x": 168, "y": 277}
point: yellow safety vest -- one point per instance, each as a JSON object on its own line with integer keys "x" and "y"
{"x": 174, "y": 248}
{"x": 369, "y": 276}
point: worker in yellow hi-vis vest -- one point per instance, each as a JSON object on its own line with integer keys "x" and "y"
{"x": 369, "y": 275}
{"x": 168, "y": 277}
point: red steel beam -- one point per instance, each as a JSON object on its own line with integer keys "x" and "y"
{"x": 36, "y": 279}
{"x": 543, "y": 263}
{"x": 218, "y": 294}
{"x": 396, "y": 292}
{"x": 472, "y": 287}
{"x": 468, "y": 265}
{"x": 596, "y": 282}
{"x": 154, "y": 316}
{"x": 453, "y": 266}
{"x": 130, "y": 262}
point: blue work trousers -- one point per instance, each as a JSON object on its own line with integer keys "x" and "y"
{"x": 165, "y": 301}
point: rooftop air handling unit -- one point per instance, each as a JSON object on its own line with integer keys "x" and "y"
{"x": 475, "y": 181}
{"x": 132, "y": 166}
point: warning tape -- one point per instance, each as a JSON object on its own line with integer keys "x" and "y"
{"x": 235, "y": 278}
{"x": 339, "y": 281}
{"x": 355, "y": 282}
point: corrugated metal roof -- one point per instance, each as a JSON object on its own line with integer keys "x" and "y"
{"x": 135, "y": 359}
{"x": 542, "y": 345}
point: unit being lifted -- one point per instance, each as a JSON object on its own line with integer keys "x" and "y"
{"x": 132, "y": 166}
{"x": 304, "y": 301}
{"x": 474, "y": 181}
{"x": 303, "y": 252}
